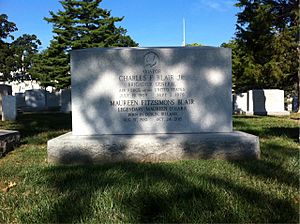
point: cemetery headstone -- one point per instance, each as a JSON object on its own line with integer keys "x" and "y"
{"x": 4, "y": 91}
{"x": 9, "y": 108}
{"x": 9, "y": 140}
{"x": 151, "y": 104}
{"x": 35, "y": 99}
{"x": 20, "y": 100}
{"x": 52, "y": 99}
{"x": 266, "y": 102}
{"x": 65, "y": 100}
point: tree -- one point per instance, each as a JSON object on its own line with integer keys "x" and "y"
{"x": 6, "y": 62}
{"x": 81, "y": 24}
{"x": 24, "y": 48}
{"x": 51, "y": 68}
{"x": 15, "y": 57}
{"x": 267, "y": 42}
{"x": 6, "y": 27}
{"x": 238, "y": 84}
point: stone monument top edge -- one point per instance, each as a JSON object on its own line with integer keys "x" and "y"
{"x": 148, "y": 48}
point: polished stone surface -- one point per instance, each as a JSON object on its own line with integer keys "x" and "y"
{"x": 151, "y": 105}
{"x": 151, "y": 90}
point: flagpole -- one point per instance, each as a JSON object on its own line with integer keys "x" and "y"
{"x": 183, "y": 43}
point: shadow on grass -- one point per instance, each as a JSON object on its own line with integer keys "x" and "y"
{"x": 35, "y": 123}
{"x": 47, "y": 124}
{"x": 275, "y": 153}
{"x": 270, "y": 170}
{"x": 290, "y": 132}
{"x": 249, "y": 117}
{"x": 146, "y": 193}
{"x": 150, "y": 193}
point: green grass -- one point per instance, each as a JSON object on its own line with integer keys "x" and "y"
{"x": 261, "y": 191}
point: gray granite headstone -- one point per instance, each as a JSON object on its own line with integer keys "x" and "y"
{"x": 151, "y": 105}
{"x": 4, "y": 91}
{"x": 53, "y": 99}
{"x": 20, "y": 99}
{"x": 35, "y": 98}
{"x": 65, "y": 101}
{"x": 161, "y": 90}
{"x": 9, "y": 108}
{"x": 9, "y": 140}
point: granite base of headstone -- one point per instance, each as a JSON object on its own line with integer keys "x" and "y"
{"x": 240, "y": 103}
{"x": 151, "y": 105}
{"x": 72, "y": 149}
{"x": 9, "y": 140}
{"x": 9, "y": 108}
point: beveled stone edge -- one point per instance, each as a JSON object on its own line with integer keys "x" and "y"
{"x": 69, "y": 149}
{"x": 9, "y": 140}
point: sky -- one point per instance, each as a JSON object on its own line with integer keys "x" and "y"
{"x": 151, "y": 23}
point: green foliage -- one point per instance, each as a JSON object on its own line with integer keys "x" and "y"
{"x": 6, "y": 61}
{"x": 15, "y": 57}
{"x": 24, "y": 48}
{"x": 6, "y": 27}
{"x": 236, "y": 61}
{"x": 265, "y": 47}
{"x": 194, "y": 45}
{"x": 200, "y": 191}
{"x": 50, "y": 68}
{"x": 81, "y": 24}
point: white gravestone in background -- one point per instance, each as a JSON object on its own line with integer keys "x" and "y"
{"x": 4, "y": 91}
{"x": 9, "y": 108}
{"x": 266, "y": 102}
{"x": 151, "y": 104}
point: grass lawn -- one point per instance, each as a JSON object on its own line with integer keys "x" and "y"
{"x": 198, "y": 191}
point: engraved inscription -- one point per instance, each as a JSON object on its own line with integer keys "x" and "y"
{"x": 152, "y": 95}
{"x": 151, "y": 59}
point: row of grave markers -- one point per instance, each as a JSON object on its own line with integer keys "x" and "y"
{"x": 253, "y": 102}
{"x": 32, "y": 100}
{"x": 261, "y": 102}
